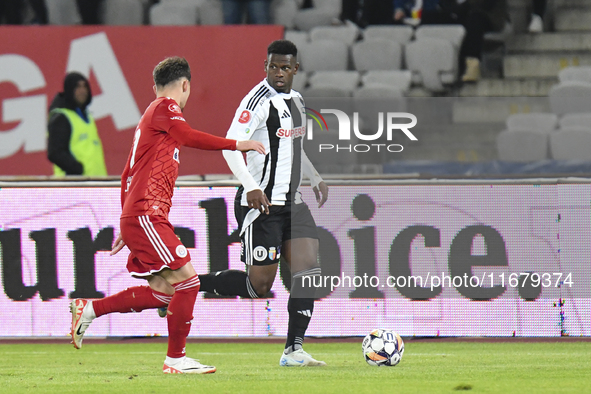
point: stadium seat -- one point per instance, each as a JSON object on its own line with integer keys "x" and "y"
{"x": 347, "y": 34}
{"x": 347, "y": 81}
{"x": 540, "y": 122}
{"x": 433, "y": 62}
{"x": 571, "y": 143}
{"x": 325, "y": 92}
{"x": 210, "y": 12}
{"x": 322, "y": 55}
{"x": 308, "y": 18}
{"x": 172, "y": 13}
{"x": 399, "y": 79}
{"x": 62, "y": 12}
{"x": 377, "y": 54}
{"x": 123, "y": 12}
{"x": 299, "y": 38}
{"x": 400, "y": 34}
{"x": 283, "y": 12}
{"x": 570, "y": 97}
{"x": 522, "y": 145}
{"x": 572, "y": 74}
{"x": 453, "y": 33}
{"x": 576, "y": 120}
{"x": 370, "y": 101}
{"x": 300, "y": 80}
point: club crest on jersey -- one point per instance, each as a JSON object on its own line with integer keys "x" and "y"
{"x": 175, "y": 155}
{"x": 244, "y": 117}
{"x": 181, "y": 251}
{"x": 174, "y": 108}
{"x": 259, "y": 253}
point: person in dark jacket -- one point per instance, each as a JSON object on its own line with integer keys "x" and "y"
{"x": 483, "y": 16}
{"x": 73, "y": 145}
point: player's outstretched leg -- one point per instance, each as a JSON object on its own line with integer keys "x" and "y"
{"x": 224, "y": 283}
{"x": 228, "y": 283}
{"x": 132, "y": 299}
{"x": 180, "y": 316}
{"x": 300, "y": 307}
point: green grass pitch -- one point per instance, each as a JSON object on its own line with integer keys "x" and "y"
{"x": 427, "y": 367}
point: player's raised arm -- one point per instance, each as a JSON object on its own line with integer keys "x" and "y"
{"x": 187, "y": 136}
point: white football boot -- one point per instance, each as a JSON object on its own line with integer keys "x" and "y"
{"x": 299, "y": 358}
{"x": 82, "y": 316}
{"x": 186, "y": 365}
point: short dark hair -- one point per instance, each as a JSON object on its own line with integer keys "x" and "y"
{"x": 170, "y": 70}
{"x": 282, "y": 47}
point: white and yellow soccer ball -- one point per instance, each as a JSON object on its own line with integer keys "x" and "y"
{"x": 382, "y": 347}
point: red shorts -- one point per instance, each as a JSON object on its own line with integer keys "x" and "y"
{"x": 153, "y": 244}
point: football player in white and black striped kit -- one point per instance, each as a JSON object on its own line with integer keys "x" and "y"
{"x": 273, "y": 218}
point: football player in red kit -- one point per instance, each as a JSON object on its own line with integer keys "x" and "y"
{"x": 157, "y": 254}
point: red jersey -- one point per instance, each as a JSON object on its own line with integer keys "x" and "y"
{"x": 147, "y": 182}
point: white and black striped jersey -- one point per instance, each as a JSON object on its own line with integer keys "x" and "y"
{"x": 277, "y": 120}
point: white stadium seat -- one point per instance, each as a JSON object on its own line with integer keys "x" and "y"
{"x": 579, "y": 73}
{"x": 299, "y": 38}
{"x": 400, "y": 34}
{"x": 123, "y": 12}
{"x": 541, "y": 122}
{"x": 377, "y": 54}
{"x": 347, "y": 34}
{"x": 322, "y": 55}
{"x": 300, "y": 80}
{"x": 347, "y": 81}
{"x": 325, "y": 92}
{"x": 453, "y": 33}
{"x": 283, "y": 12}
{"x": 308, "y": 18}
{"x": 62, "y": 12}
{"x": 399, "y": 79}
{"x": 571, "y": 143}
{"x": 433, "y": 61}
{"x": 576, "y": 120}
{"x": 210, "y": 12}
{"x": 171, "y": 13}
{"x": 522, "y": 145}
{"x": 570, "y": 97}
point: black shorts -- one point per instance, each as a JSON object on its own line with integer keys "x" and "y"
{"x": 261, "y": 242}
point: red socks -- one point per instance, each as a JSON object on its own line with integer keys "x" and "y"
{"x": 180, "y": 309}
{"x": 132, "y": 299}
{"x": 180, "y": 315}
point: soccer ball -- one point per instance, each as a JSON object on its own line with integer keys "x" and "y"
{"x": 382, "y": 347}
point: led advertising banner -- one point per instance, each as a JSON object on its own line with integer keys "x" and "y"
{"x": 427, "y": 259}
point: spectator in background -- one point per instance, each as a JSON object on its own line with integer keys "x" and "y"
{"x": 89, "y": 11}
{"x": 536, "y": 25}
{"x": 258, "y": 11}
{"x": 482, "y": 16}
{"x": 11, "y": 12}
{"x": 74, "y": 146}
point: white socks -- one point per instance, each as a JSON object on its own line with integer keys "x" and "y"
{"x": 88, "y": 312}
